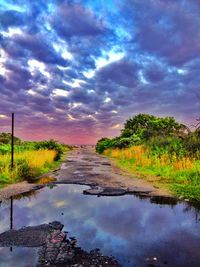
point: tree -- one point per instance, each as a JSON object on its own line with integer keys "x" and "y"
{"x": 5, "y": 138}
{"x": 145, "y": 126}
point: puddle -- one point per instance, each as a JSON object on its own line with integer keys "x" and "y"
{"x": 132, "y": 229}
{"x": 64, "y": 166}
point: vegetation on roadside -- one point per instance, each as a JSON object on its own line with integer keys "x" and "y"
{"x": 161, "y": 150}
{"x": 31, "y": 159}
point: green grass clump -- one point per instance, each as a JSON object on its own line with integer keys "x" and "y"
{"x": 27, "y": 165}
{"x": 31, "y": 159}
{"x": 166, "y": 170}
{"x": 191, "y": 192}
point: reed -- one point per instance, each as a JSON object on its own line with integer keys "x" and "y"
{"x": 28, "y": 164}
{"x": 171, "y": 170}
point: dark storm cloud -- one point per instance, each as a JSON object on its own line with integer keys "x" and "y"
{"x": 12, "y": 48}
{"x": 166, "y": 28}
{"x": 121, "y": 73}
{"x": 11, "y": 18}
{"x": 154, "y": 73}
{"x": 17, "y": 78}
{"x": 39, "y": 48}
{"x": 72, "y": 20}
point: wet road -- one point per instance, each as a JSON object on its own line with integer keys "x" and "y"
{"x": 136, "y": 231}
{"x": 84, "y": 166}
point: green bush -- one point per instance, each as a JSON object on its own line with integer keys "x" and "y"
{"x": 24, "y": 170}
{"x": 103, "y": 144}
{"x": 51, "y": 145}
{"x": 166, "y": 145}
{"x": 5, "y": 138}
{"x": 121, "y": 142}
{"x": 192, "y": 144}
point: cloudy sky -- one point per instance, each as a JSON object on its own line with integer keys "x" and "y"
{"x": 76, "y": 70}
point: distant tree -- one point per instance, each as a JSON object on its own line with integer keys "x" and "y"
{"x": 197, "y": 127}
{"x": 5, "y": 138}
{"x": 145, "y": 126}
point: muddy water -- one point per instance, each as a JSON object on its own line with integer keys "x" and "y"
{"x": 136, "y": 231}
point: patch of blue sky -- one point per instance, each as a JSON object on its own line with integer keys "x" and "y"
{"x": 123, "y": 34}
{"x": 102, "y": 5}
{"x": 6, "y": 5}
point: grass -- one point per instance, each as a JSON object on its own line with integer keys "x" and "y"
{"x": 28, "y": 164}
{"x": 180, "y": 175}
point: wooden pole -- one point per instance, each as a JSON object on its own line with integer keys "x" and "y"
{"x": 12, "y": 143}
{"x": 11, "y": 213}
{"x": 12, "y": 167}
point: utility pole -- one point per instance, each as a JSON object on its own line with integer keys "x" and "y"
{"x": 12, "y": 167}
{"x": 12, "y": 143}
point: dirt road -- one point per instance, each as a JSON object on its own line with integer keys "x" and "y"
{"x": 84, "y": 166}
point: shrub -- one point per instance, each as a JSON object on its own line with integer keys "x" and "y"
{"x": 103, "y": 144}
{"x": 5, "y": 138}
{"x": 23, "y": 169}
{"x": 166, "y": 145}
{"x": 28, "y": 164}
{"x": 50, "y": 145}
{"x": 192, "y": 144}
{"x": 121, "y": 142}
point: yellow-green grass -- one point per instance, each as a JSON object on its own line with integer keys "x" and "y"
{"x": 27, "y": 165}
{"x": 179, "y": 175}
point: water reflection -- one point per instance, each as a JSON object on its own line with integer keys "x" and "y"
{"x": 130, "y": 228}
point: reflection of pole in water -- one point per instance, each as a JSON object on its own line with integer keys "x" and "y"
{"x": 11, "y": 213}
{"x": 11, "y": 216}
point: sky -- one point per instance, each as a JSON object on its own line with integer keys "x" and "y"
{"x": 76, "y": 70}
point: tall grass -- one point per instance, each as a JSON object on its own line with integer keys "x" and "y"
{"x": 28, "y": 164}
{"x": 143, "y": 157}
{"x": 179, "y": 172}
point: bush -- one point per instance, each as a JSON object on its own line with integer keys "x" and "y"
{"x": 117, "y": 142}
{"x": 23, "y": 169}
{"x": 121, "y": 142}
{"x": 5, "y": 138}
{"x": 103, "y": 144}
{"x": 192, "y": 144}
{"x": 166, "y": 145}
{"x": 50, "y": 145}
